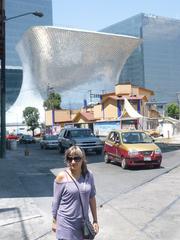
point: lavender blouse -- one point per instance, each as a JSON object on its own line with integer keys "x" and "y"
{"x": 66, "y": 207}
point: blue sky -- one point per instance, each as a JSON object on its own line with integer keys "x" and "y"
{"x": 97, "y": 14}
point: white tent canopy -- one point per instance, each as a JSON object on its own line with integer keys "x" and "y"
{"x": 130, "y": 110}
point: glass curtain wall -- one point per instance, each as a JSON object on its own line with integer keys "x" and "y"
{"x": 155, "y": 64}
{"x": 133, "y": 71}
{"x": 14, "y": 30}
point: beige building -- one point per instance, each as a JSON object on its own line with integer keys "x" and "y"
{"x": 59, "y": 117}
{"x": 112, "y": 107}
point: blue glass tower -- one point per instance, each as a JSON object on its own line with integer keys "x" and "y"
{"x": 14, "y": 30}
{"x": 154, "y": 64}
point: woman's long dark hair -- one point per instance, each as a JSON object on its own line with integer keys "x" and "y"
{"x": 75, "y": 150}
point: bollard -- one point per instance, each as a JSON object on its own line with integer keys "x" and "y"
{"x": 7, "y": 144}
{"x": 13, "y": 144}
{"x": 26, "y": 151}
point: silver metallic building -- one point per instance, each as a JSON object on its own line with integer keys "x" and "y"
{"x": 69, "y": 60}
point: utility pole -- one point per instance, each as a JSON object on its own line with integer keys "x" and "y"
{"x": 178, "y": 99}
{"x": 49, "y": 89}
{"x": 93, "y": 95}
{"x": 3, "y": 19}
{"x": 90, "y": 95}
{"x": 2, "y": 81}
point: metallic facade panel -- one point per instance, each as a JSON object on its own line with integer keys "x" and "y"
{"x": 65, "y": 58}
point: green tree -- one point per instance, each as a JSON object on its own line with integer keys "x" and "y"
{"x": 31, "y": 117}
{"x": 53, "y": 101}
{"x": 172, "y": 110}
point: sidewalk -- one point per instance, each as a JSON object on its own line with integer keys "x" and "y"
{"x": 20, "y": 218}
{"x": 174, "y": 140}
{"x": 149, "y": 212}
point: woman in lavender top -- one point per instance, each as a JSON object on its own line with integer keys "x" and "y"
{"x": 66, "y": 207}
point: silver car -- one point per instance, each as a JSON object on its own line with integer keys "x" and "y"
{"x": 49, "y": 141}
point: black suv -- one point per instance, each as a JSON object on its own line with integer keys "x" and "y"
{"x": 82, "y": 137}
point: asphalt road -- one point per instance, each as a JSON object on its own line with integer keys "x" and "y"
{"x": 136, "y": 204}
{"x": 111, "y": 180}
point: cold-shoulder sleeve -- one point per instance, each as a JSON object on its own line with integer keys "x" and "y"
{"x": 58, "y": 190}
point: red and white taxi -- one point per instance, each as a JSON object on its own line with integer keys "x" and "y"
{"x": 131, "y": 148}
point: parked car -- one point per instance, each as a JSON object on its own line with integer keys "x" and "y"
{"x": 11, "y": 137}
{"x": 154, "y": 133}
{"x": 27, "y": 139}
{"x": 132, "y": 148}
{"x": 49, "y": 141}
{"x": 82, "y": 137}
{"x": 19, "y": 135}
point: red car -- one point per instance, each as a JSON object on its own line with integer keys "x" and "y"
{"x": 132, "y": 148}
{"x": 11, "y": 137}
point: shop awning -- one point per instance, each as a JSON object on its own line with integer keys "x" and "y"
{"x": 130, "y": 110}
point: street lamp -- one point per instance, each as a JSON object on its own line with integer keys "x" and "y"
{"x": 3, "y": 19}
{"x": 37, "y": 14}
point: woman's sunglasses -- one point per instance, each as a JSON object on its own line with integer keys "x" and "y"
{"x": 76, "y": 159}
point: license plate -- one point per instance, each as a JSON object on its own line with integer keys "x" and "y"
{"x": 147, "y": 158}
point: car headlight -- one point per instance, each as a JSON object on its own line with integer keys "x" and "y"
{"x": 157, "y": 151}
{"x": 133, "y": 152}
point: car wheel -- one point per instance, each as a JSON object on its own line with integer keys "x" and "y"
{"x": 61, "y": 149}
{"x": 106, "y": 158}
{"x": 42, "y": 147}
{"x": 123, "y": 163}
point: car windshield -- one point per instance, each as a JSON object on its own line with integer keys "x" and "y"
{"x": 51, "y": 137}
{"x": 81, "y": 133}
{"x": 136, "y": 137}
